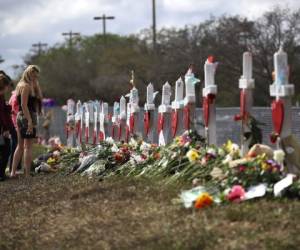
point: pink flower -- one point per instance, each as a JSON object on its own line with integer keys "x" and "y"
{"x": 242, "y": 168}
{"x": 236, "y": 194}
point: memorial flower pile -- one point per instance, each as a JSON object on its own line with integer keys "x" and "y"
{"x": 218, "y": 174}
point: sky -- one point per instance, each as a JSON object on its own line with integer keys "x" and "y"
{"x": 25, "y": 22}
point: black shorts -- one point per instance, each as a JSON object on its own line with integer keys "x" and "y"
{"x": 23, "y": 125}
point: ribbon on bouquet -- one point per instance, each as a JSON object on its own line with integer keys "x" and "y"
{"x": 174, "y": 122}
{"x": 207, "y": 101}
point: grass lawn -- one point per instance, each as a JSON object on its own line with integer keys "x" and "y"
{"x": 71, "y": 212}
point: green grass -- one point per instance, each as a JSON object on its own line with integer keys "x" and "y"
{"x": 38, "y": 150}
{"x": 70, "y": 212}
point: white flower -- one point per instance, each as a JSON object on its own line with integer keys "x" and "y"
{"x": 114, "y": 148}
{"x": 227, "y": 159}
{"x": 133, "y": 143}
{"x": 279, "y": 156}
{"x": 56, "y": 153}
{"x": 138, "y": 158}
{"x": 221, "y": 152}
{"x": 212, "y": 151}
{"x": 217, "y": 173}
{"x": 110, "y": 140}
{"x": 235, "y": 147}
{"x": 145, "y": 146}
{"x": 57, "y": 141}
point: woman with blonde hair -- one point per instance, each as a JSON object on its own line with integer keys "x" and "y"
{"x": 29, "y": 96}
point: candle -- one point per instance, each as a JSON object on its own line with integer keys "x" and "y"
{"x": 123, "y": 106}
{"x": 179, "y": 90}
{"x": 209, "y": 72}
{"x": 281, "y": 67}
{"x": 150, "y": 92}
{"x": 247, "y": 65}
{"x": 166, "y": 94}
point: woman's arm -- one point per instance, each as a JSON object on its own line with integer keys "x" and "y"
{"x": 39, "y": 95}
{"x": 38, "y": 91}
{"x": 24, "y": 103}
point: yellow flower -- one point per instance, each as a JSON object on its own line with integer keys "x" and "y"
{"x": 192, "y": 155}
{"x": 51, "y": 161}
{"x": 203, "y": 200}
{"x": 264, "y": 166}
{"x": 228, "y": 146}
{"x": 232, "y": 149}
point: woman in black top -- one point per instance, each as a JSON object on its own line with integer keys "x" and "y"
{"x": 28, "y": 96}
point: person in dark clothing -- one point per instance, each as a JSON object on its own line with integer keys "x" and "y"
{"x": 6, "y": 126}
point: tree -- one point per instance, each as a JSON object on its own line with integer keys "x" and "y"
{"x": 98, "y": 68}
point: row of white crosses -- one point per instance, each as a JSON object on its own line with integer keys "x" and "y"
{"x": 173, "y": 118}
{"x": 93, "y": 122}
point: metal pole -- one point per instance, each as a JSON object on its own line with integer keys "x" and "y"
{"x": 154, "y": 23}
{"x": 104, "y": 25}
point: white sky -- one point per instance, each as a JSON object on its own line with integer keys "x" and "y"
{"x": 24, "y": 22}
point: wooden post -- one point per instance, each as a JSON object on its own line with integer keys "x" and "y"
{"x": 164, "y": 117}
{"x": 96, "y": 118}
{"x": 70, "y": 125}
{"x": 134, "y": 113}
{"x": 177, "y": 109}
{"x": 283, "y": 91}
{"x": 246, "y": 85}
{"x": 78, "y": 123}
{"x": 209, "y": 95}
{"x": 115, "y": 121}
{"x": 150, "y": 133}
{"x": 190, "y": 99}
{"x": 105, "y": 121}
{"x": 122, "y": 120}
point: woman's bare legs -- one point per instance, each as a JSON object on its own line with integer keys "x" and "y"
{"x": 18, "y": 154}
{"x": 27, "y": 156}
